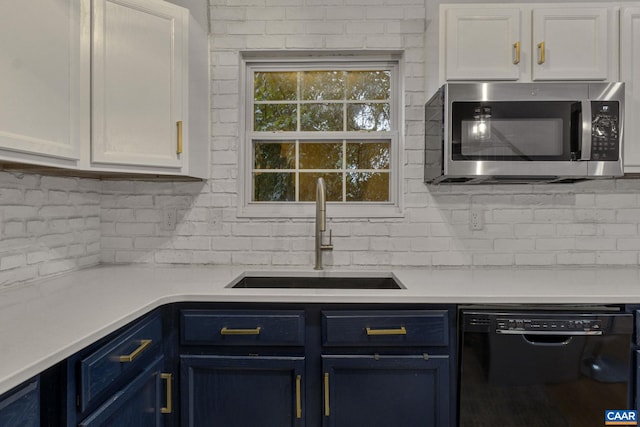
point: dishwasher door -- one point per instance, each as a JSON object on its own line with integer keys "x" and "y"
{"x": 546, "y": 369}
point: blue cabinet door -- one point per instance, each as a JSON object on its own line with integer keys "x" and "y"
{"x": 21, "y": 407}
{"x": 384, "y": 391}
{"x": 139, "y": 404}
{"x": 242, "y": 391}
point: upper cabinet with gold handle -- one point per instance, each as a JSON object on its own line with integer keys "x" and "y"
{"x": 574, "y": 43}
{"x": 527, "y": 42}
{"x": 480, "y": 43}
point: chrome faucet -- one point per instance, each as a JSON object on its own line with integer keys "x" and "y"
{"x": 321, "y": 222}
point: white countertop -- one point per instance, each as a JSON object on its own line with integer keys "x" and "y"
{"x": 44, "y": 322}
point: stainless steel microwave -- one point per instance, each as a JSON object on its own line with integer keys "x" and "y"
{"x": 524, "y": 132}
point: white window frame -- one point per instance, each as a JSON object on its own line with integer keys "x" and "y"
{"x": 260, "y": 62}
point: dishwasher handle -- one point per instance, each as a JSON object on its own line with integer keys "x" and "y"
{"x": 558, "y": 333}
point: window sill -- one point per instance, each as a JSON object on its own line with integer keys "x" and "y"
{"x": 308, "y": 210}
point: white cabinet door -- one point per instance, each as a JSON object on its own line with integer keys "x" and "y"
{"x": 630, "y": 75}
{"x": 139, "y": 84}
{"x": 483, "y": 43}
{"x": 40, "y": 81}
{"x": 570, "y": 43}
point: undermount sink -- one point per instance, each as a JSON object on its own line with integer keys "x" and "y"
{"x": 300, "y": 282}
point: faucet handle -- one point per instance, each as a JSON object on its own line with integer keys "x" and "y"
{"x": 328, "y": 247}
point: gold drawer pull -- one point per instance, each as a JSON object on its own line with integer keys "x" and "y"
{"x": 400, "y": 331}
{"x": 179, "y": 148}
{"x": 144, "y": 344}
{"x": 169, "y": 408}
{"x": 299, "y": 396}
{"x": 227, "y": 331}
{"x": 541, "y": 57}
{"x": 327, "y": 411}
{"x": 516, "y": 58}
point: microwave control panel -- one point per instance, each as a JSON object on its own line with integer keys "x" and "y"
{"x": 605, "y": 131}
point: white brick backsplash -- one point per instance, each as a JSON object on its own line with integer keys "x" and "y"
{"x": 53, "y": 224}
{"x": 535, "y": 259}
{"x": 576, "y": 258}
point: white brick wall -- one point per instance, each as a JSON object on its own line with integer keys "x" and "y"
{"x": 50, "y": 225}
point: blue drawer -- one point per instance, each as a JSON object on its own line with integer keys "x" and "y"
{"x": 21, "y": 406}
{"x": 245, "y": 327}
{"x": 122, "y": 357}
{"x": 385, "y": 328}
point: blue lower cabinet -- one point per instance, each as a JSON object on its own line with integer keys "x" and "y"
{"x": 141, "y": 403}
{"x": 384, "y": 391}
{"x": 242, "y": 391}
{"x": 21, "y": 407}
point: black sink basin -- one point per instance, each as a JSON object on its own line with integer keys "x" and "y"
{"x": 318, "y": 283}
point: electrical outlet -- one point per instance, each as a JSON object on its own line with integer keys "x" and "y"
{"x": 169, "y": 219}
{"x": 476, "y": 219}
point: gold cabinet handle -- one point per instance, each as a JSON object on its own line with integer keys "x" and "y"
{"x": 400, "y": 331}
{"x": 298, "y": 396}
{"x": 327, "y": 411}
{"x": 541, "y": 53}
{"x": 144, "y": 344}
{"x": 179, "y": 150}
{"x": 516, "y": 58}
{"x": 227, "y": 331}
{"x": 169, "y": 408}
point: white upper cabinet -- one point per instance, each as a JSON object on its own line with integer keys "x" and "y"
{"x": 41, "y": 82}
{"x": 139, "y": 85}
{"x": 630, "y": 74}
{"x": 104, "y": 86}
{"x": 483, "y": 43}
{"x": 571, "y": 43}
{"x": 525, "y": 42}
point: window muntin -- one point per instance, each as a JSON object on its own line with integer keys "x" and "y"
{"x": 336, "y": 123}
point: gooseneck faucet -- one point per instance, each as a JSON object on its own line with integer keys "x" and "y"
{"x": 321, "y": 222}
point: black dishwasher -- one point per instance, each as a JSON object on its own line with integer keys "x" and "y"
{"x": 543, "y": 367}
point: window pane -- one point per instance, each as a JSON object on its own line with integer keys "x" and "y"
{"x": 322, "y": 85}
{"x": 308, "y": 184}
{"x": 368, "y": 117}
{"x": 274, "y": 117}
{"x": 321, "y": 117}
{"x": 368, "y": 155}
{"x": 275, "y": 86}
{"x": 274, "y": 187}
{"x": 368, "y": 85}
{"x": 367, "y": 187}
{"x": 274, "y": 155}
{"x": 320, "y": 155}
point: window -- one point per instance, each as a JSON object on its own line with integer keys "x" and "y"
{"x": 332, "y": 119}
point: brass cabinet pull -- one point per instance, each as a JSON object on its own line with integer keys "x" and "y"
{"x": 541, "y": 53}
{"x": 400, "y": 331}
{"x": 327, "y": 411}
{"x": 516, "y": 58}
{"x": 227, "y": 331}
{"x": 169, "y": 408}
{"x": 298, "y": 396}
{"x": 144, "y": 344}
{"x": 179, "y": 150}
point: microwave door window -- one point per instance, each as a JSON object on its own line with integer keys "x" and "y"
{"x": 514, "y": 130}
{"x": 515, "y": 139}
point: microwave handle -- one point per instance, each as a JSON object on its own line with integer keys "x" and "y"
{"x": 585, "y": 140}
